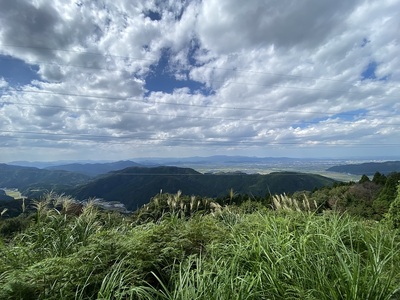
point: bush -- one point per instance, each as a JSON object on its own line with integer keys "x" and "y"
{"x": 291, "y": 256}
{"x": 393, "y": 216}
{"x": 228, "y": 253}
{"x": 10, "y": 227}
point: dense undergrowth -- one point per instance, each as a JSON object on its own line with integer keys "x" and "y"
{"x": 180, "y": 247}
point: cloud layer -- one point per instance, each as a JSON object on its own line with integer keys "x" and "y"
{"x": 120, "y": 79}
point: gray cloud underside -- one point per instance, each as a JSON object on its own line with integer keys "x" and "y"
{"x": 284, "y": 75}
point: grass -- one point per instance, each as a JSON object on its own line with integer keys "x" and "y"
{"x": 293, "y": 258}
{"x": 225, "y": 254}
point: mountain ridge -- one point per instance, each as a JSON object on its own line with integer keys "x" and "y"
{"x": 368, "y": 168}
{"x": 30, "y": 178}
{"x": 136, "y": 185}
{"x": 94, "y": 169}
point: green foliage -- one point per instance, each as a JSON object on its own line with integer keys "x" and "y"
{"x": 331, "y": 197}
{"x": 290, "y": 257}
{"x": 4, "y": 196}
{"x": 393, "y": 216}
{"x": 252, "y": 206}
{"x": 135, "y": 186}
{"x": 368, "y": 168}
{"x": 9, "y": 227}
{"x": 29, "y": 180}
{"x": 379, "y": 178}
{"x": 210, "y": 251}
{"x": 364, "y": 179}
{"x": 387, "y": 194}
{"x": 14, "y": 208}
{"x": 358, "y": 199}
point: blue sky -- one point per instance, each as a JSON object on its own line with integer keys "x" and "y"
{"x": 111, "y": 80}
{"x": 161, "y": 78}
{"x": 16, "y": 72}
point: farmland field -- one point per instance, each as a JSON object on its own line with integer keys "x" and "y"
{"x": 13, "y": 193}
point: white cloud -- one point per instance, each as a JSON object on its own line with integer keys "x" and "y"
{"x": 230, "y": 26}
{"x": 3, "y": 83}
{"x": 283, "y": 75}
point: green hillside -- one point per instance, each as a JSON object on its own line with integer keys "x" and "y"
{"x": 135, "y": 186}
{"x": 28, "y": 179}
{"x": 284, "y": 251}
{"x": 311, "y": 245}
{"x": 369, "y": 168}
{"x": 4, "y": 196}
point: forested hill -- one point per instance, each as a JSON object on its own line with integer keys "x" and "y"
{"x": 135, "y": 186}
{"x": 95, "y": 169}
{"x": 26, "y": 178}
{"x": 369, "y": 168}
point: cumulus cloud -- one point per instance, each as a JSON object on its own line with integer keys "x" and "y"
{"x": 3, "y": 83}
{"x": 227, "y": 26}
{"x": 256, "y": 78}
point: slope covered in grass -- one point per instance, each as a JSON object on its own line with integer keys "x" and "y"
{"x": 216, "y": 253}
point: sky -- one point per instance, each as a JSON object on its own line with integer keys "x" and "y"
{"x": 112, "y": 80}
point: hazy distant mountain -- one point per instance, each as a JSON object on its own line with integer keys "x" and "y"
{"x": 45, "y": 164}
{"x": 94, "y": 169}
{"x": 216, "y": 159}
{"x": 26, "y": 178}
{"x": 369, "y": 168}
{"x": 135, "y": 186}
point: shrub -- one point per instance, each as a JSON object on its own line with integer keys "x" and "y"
{"x": 230, "y": 253}
{"x": 10, "y": 227}
{"x": 393, "y": 216}
{"x": 291, "y": 256}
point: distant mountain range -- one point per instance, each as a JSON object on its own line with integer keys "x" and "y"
{"x": 133, "y": 184}
{"x": 94, "y": 169}
{"x": 215, "y": 159}
{"x": 369, "y": 168}
{"x": 136, "y": 185}
{"x": 45, "y": 164}
{"x": 154, "y": 161}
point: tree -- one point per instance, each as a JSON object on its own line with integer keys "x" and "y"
{"x": 379, "y": 178}
{"x": 387, "y": 194}
{"x": 393, "y": 215}
{"x": 364, "y": 178}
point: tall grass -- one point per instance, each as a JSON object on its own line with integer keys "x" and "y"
{"x": 293, "y": 257}
{"x": 227, "y": 254}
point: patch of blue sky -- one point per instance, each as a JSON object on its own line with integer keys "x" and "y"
{"x": 16, "y": 72}
{"x": 351, "y": 115}
{"x": 153, "y": 15}
{"x": 162, "y": 79}
{"x": 370, "y": 72}
{"x": 156, "y": 14}
{"x": 347, "y": 116}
